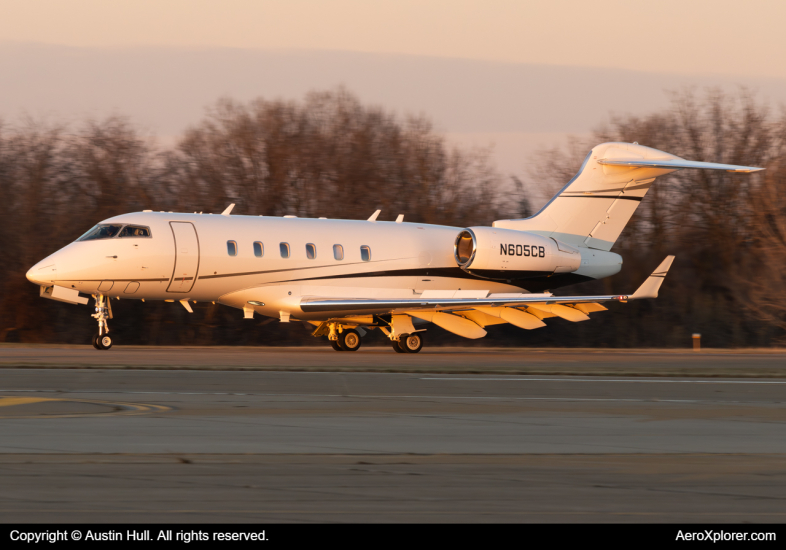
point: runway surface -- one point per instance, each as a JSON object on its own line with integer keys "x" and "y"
{"x": 109, "y": 444}
{"x": 707, "y": 363}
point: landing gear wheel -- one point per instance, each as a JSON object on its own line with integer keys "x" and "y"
{"x": 349, "y": 340}
{"x": 411, "y": 343}
{"x": 102, "y": 342}
{"x": 397, "y": 348}
{"x": 335, "y": 346}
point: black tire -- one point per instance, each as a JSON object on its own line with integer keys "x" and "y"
{"x": 397, "y": 348}
{"x": 411, "y": 343}
{"x": 95, "y": 341}
{"x": 349, "y": 340}
{"x": 104, "y": 342}
{"x": 335, "y": 345}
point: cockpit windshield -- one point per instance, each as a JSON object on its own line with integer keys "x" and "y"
{"x": 110, "y": 230}
{"x": 101, "y": 231}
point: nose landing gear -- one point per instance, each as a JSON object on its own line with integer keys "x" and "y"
{"x": 102, "y": 340}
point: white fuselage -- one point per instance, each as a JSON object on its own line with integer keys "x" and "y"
{"x": 180, "y": 263}
{"x": 339, "y": 274}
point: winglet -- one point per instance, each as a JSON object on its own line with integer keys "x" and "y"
{"x": 649, "y": 288}
{"x": 228, "y": 209}
{"x": 373, "y": 217}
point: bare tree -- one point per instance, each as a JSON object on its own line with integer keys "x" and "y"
{"x": 333, "y": 156}
{"x": 704, "y": 217}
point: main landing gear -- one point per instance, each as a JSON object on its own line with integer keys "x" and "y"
{"x": 408, "y": 343}
{"x": 344, "y": 339}
{"x": 102, "y": 340}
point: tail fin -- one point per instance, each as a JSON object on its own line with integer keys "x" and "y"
{"x": 594, "y": 207}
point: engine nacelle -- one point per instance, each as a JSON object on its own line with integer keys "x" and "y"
{"x": 494, "y": 253}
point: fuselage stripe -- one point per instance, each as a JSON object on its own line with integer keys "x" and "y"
{"x": 637, "y": 199}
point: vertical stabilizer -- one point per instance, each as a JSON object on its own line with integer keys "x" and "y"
{"x": 594, "y": 207}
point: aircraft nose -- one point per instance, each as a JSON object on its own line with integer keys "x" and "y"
{"x": 42, "y": 272}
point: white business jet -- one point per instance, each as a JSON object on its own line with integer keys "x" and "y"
{"x": 346, "y": 277}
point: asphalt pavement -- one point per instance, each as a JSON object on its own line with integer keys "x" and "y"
{"x": 323, "y": 442}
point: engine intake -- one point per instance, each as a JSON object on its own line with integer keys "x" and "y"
{"x": 506, "y": 254}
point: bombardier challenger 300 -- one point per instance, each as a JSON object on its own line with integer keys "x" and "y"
{"x": 347, "y": 277}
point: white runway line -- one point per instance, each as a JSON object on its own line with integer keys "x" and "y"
{"x": 599, "y": 380}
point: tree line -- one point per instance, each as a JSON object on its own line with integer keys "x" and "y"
{"x": 331, "y": 155}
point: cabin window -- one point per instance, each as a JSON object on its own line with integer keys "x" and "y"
{"x": 135, "y": 231}
{"x": 338, "y": 252}
{"x": 365, "y": 253}
{"x": 284, "y": 247}
{"x": 311, "y": 251}
{"x": 259, "y": 249}
{"x": 232, "y": 248}
{"x": 101, "y": 231}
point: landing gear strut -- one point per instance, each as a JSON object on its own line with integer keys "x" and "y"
{"x": 102, "y": 340}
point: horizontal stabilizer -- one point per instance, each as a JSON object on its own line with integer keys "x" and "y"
{"x": 677, "y": 164}
{"x": 649, "y": 288}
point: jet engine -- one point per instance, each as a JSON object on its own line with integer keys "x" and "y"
{"x": 507, "y": 254}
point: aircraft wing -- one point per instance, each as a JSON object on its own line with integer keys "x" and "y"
{"x": 501, "y": 306}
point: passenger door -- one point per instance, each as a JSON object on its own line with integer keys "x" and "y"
{"x": 186, "y": 257}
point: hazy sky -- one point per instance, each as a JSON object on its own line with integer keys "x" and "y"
{"x": 729, "y": 37}
{"x": 517, "y": 74}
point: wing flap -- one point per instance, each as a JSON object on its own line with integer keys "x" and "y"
{"x": 516, "y": 317}
{"x": 590, "y": 307}
{"x": 568, "y": 313}
{"x": 452, "y": 323}
{"x": 481, "y": 318}
{"x": 521, "y": 319}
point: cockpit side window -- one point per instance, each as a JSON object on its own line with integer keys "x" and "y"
{"x": 101, "y": 231}
{"x": 135, "y": 231}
